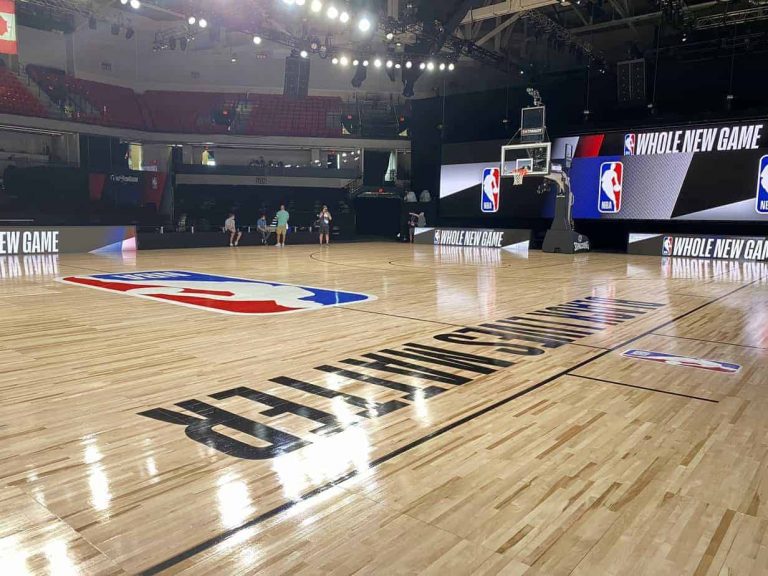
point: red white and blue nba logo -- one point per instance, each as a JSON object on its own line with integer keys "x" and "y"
{"x": 668, "y": 246}
{"x": 489, "y": 197}
{"x": 224, "y": 294}
{"x": 611, "y": 185}
{"x": 761, "y": 202}
{"x": 629, "y": 144}
{"x": 684, "y": 361}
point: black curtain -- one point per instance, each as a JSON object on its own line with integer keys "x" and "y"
{"x": 375, "y": 167}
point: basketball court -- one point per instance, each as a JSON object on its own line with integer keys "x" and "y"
{"x": 474, "y": 411}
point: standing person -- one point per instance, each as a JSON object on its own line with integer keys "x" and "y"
{"x": 231, "y": 227}
{"x": 261, "y": 226}
{"x": 282, "y": 225}
{"x": 324, "y": 218}
{"x": 412, "y": 221}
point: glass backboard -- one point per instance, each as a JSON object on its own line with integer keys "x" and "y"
{"x": 535, "y": 157}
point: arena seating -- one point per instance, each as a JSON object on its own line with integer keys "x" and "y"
{"x": 99, "y": 103}
{"x": 190, "y": 112}
{"x": 15, "y": 98}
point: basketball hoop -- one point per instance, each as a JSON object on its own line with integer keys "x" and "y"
{"x": 518, "y": 175}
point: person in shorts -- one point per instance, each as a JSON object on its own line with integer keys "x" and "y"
{"x": 324, "y": 220}
{"x": 282, "y": 225}
{"x": 231, "y": 228}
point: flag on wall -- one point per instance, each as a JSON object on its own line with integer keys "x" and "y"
{"x": 7, "y": 27}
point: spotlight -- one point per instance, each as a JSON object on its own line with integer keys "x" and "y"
{"x": 135, "y": 4}
{"x": 422, "y": 66}
{"x": 430, "y": 66}
{"x": 289, "y": 2}
{"x": 685, "y": 37}
{"x": 191, "y": 20}
{"x": 365, "y": 63}
{"x": 390, "y": 35}
{"x": 364, "y": 24}
{"x": 398, "y": 66}
{"x": 316, "y": 6}
{"x": 233, "y": 58}
{"x": 377, "y": 63}
{"x": 390, "y": 63}
{"x": 343, "y": 60}
{"x": 332, "y": 13}
{"x": 304, "y": 54}
{"x": 451, "y": 66}
{"x": 315, "y": 45}
{"x": 323, "y": 51}
{"x": 360, "y": 75}
{"x": 257, "y": 40}
{"x": 522, "y": 72}
{"x": 355, "y": 62}
{"x": 123, "y": 2}
{"x": 334, "y": 60}
{"x": 408, "y": 64}
{"x": 442, "y": 66}
{"x": 128, "y": 33}
{"x": 203, "y": 23}
{"x": 300, "y": 2}
{"x": 344, "y": 17}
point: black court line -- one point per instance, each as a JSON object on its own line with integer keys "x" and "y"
{"x": 711, "y": 341}
{"x": 690, "y": 397}
{"x": 404, "y": 317}
{"x": 218, "y": 539}
{"x": 588, "y": 345}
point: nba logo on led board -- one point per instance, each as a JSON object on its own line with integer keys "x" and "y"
{"x": 611, "y": 186}
{"x": 761, "y": 204}
{"x": 489, "y": 201}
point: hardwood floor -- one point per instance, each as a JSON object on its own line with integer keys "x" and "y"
{"x": 479, "y": 416}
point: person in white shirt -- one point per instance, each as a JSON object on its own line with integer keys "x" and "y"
{"x": 231, "y": 227}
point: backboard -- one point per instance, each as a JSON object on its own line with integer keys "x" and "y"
{"x": 533, "y": 156}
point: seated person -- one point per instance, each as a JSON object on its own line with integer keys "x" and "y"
{"x": 261, "y": 226}
{"x": 231, "y": 228}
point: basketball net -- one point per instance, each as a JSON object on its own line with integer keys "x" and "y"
{"x": 518, "y": 175}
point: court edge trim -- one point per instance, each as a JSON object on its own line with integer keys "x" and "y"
{"x": 218, "y": 539}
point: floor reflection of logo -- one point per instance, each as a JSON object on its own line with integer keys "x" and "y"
{"x": 762, "y": 186}
{"x": 223, "y": 294}
{"x": 490, "y": 190}
{"x": 667, "y": 246}
{"x": 611, "y": 186}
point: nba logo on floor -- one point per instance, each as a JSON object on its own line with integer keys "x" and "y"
{"x": 667, "y": 247}
{"x": 762, "y": 186}
{"x": 490, "y": 192}
{"x": 629, "y": 144}
{"x": 224, "y": 294}
{"x": 611, "y": 185}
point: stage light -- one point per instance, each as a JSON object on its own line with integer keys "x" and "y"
{"x": 323, "y": 51}
{"x": 334, "y": 60}
{"x": 191, "y": 20}
{"x": 128, "y": 33}
{"x": 685, "y": 37}
{"x": 365, "y": 63}
{"x": 123, "y": 2}
{"x": 408, "y": 64}
{"x": 300, "y": 2}
{"x": 398, "y": 66}
{"x": 442, "y": 66}
{"x": 390, "y": 63}
{"x": 344, "y": 17}
{"x": 135, "y": 4}
{"x": 430, "y": 66}
{"x": 422, "y": 66}
{"x": 343, "y": 60}
{"x": 364, "y": 24}
{"x": 203, "y": 23}
{"x": 304, "y": 54}
{"x": 233, "y": 58}
{"x": 390, "y": 35}
{"x": 316, "y": 6}
{"x": 332, "y": 13}
{"x": 355, "y": 62}
{"x": 451, "y": 66}
{"x": 361, "y": 73}
{"x": 315, "y": 45}
{"x": 377, "y": 63}
{"x": 522, "y": 72}
{"x": 289, "y": 2}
